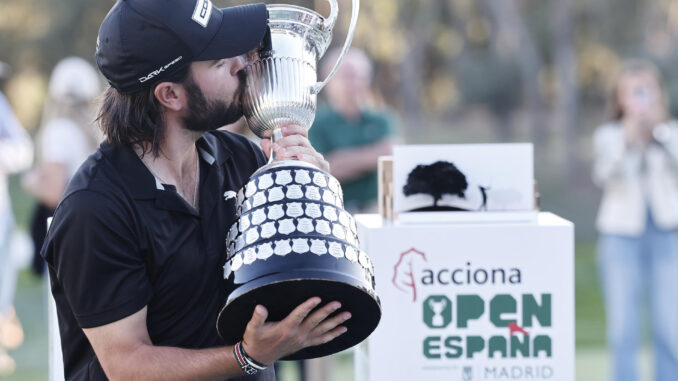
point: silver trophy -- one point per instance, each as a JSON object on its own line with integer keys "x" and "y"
{"x": 292, "y": 238}
{"x": 282, "y": 84}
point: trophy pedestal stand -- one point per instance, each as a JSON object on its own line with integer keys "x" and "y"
{"x": 503, "y": 295}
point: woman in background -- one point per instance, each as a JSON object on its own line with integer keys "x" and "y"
{"x": 66, "y": 138}
{"x": 16, "y": 154}
{"x": 636, "y": 165}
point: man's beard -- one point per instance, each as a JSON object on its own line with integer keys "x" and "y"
{"x": 207, "y": 115}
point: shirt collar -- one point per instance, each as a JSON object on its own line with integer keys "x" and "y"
{"x": 158, "y": 184}
{"x": 206, "y": 156}
{"x": 140, "y": 181}
{"x": 210, "y": 149}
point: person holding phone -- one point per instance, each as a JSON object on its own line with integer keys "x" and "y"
{"x": 636, "y": 166}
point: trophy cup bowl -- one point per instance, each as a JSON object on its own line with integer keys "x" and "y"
{"x": 280, "y": 84}
{"x": 292, "y": 238}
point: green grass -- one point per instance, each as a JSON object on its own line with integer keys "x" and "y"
{"x": 30, "y": 304}
{"x": 589, "y": 311}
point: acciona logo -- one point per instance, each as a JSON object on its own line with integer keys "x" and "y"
{"x": 404, "y": 272}
{"x": 202, "y": 12}
{"x": 412, "y": 271}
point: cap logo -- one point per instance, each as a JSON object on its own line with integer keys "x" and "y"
{"x": 159, "y": 70}
{"x": 202, "y": 12}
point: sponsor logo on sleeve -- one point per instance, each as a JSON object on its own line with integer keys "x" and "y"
{"x": 229, "y": 195}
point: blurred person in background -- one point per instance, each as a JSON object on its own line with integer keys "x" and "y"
{"x": 636, "y": 165}
{"x": 16, "y": 154}
{"x": 350, "y": 131}
{"x": 66, "y": 138}
{"x": 241, "y": 127}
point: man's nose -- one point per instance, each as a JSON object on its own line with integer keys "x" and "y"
{"x": 240, "y": 63}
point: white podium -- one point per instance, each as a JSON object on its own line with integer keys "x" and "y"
{"x": 472, "y": 301}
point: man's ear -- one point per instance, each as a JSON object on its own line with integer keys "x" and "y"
{"x": 171, "y": 95}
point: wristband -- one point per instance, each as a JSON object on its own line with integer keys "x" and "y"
{"x": 247, "y": 364}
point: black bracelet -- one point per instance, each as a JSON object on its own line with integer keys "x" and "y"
{"x": 247, "y": 364}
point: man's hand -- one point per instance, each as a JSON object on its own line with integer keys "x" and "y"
{"x": 268, "y": 342}
{"x": 295, "y": 145}
{"x": 126, "y": 352}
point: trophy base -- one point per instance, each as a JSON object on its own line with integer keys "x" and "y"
{"x": 282, "y": 292}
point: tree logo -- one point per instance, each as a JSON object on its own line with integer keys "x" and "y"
{"x": 436, "y": 180}
{"x": 403, "y": 272}
{"x": 437, "y": 311}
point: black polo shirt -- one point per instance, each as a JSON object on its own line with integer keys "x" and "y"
{"x": 120, "y": 240}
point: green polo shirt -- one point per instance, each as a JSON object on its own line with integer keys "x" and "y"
{"x": 331, "y": 132}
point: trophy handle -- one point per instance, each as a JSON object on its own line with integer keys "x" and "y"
{"x": 315, "y": 89}
{"x": 332, "y": 19}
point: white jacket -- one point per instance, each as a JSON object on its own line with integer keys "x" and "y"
{"x": 636, "y": 179}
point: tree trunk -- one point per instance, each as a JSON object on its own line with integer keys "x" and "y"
{"x": 567, "y": 107}
{"x": 620, "y": 23}
{"x": 513, "y": 37}
{"x": 422, "y": 29}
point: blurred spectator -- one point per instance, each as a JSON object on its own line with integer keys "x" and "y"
{"x": 241, "y": 127}
{"x": 636, "y": 165}
{"x": 65, "y": 139}
{"x": 16, "y": 154}
{"x": 350, "y": 131}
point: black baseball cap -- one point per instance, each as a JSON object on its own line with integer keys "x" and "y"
{"x": 142, "y": 42}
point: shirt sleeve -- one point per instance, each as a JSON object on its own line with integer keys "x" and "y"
{"x": 93, "y": 247}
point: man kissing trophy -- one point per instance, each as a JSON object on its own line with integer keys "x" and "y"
{"x": 292, "y": 238}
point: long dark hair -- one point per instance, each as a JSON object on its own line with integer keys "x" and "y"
{"x": 136, "y": 118}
